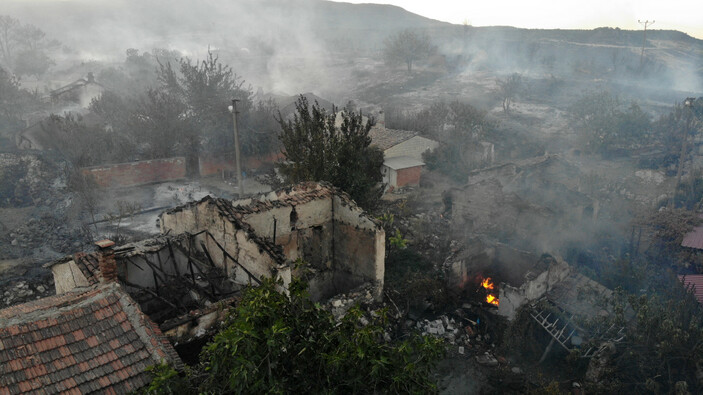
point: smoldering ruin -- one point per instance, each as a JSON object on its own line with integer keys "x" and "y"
{"x": 529, "y": 198}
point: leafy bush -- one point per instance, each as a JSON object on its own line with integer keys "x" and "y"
{"x": 278, "y": 343}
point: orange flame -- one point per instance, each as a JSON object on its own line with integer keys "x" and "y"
{"x": 492, "y": 300}
{"x": 487, "y": 283}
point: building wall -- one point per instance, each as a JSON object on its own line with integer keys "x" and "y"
{"x": 204, "y": 216}
{"x": 512, "y": 298}
{"x": 408, "y": 177}
{"x": 484, "y": 208}
{"x": 137, "y": 173}
{"x": 215, "y": 165}
{"x": 308, "y": 237}
{"x": 137, "y": 271}
{"x": 359, "y": 245}
{"x": 343, "y": 246}
{"x": 389, "y": 177}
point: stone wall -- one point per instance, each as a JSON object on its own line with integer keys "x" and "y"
{"x": 343, "y": 246}
{"x": 237, "y": 241}
{"x": 359, "y": 246}
{"x": 512, "y": 298}
{"x": 137, "y": 173}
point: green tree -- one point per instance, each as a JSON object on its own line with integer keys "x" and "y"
{"x": 406, "y": 47}
{"x": 317, "y": 150}
{"x": 662, "y": 350}
{"x": 670, "y": 129}
{"x": 11, "y": 99}
{"x": 278, "y": 343}
{"x": 608, "y": 125}
{"x": 668, "y": 228}
{"x": 508, "y": 89}
{"x": 24, "y": 49}
{"x": 159, "y": 119}
{"x": 206, "y": 88}
{"x": 459, "y": 133}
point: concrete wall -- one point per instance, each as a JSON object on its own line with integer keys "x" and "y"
{"x": 336, "y": 239}
{"x": 303, "y": 230}
{"x": 137, "y": 173}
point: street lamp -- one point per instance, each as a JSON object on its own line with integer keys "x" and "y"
{"x": 233, "y": 110}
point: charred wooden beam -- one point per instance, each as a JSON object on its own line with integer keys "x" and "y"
{"x": 250, "y": 274}
{"x": 173, "y": 258}
{"x": 152, "y": 293}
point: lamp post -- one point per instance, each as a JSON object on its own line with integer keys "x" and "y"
{"x": 688, "y": 103}
{"x": 233, "y": 110}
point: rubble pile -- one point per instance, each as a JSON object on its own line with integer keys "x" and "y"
{"x": 340, "y": 304}
{"x": 24, "y": 291}
{"x": 47, "y": 232}
{"x": 30, "y": 180}
{"x": 463, "y": 333}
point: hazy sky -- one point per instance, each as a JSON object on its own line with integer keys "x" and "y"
{"x": 683, "y": 15}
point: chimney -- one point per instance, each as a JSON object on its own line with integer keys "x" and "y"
{"x": 106, "y": 261}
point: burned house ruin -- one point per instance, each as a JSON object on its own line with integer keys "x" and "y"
{"x": 343, "y": 246}
{"x": 176, "y": 288}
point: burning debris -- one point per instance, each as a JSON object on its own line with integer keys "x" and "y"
{"x": 489, "y": 287}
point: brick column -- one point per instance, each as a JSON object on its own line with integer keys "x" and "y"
{"x": 106, "y": 261}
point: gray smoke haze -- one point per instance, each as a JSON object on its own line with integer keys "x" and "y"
{"x": 284, "y": 46}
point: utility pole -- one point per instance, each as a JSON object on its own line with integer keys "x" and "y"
{"x": 644, "y": 38}
{"x": 240, "y": 184}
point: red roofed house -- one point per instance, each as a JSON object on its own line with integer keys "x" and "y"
{"x": 402, "y": 152}
{"x": 694, "y": 239}
{"x": 695, "y": 283}
{"x": 90, "y": 340}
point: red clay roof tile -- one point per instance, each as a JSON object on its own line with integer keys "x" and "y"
{"x": 81, "y": 341}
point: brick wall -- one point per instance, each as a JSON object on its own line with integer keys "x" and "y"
{"x": 137, "y": 173}
{"x": 409, "y": 176}
{"x": 216, "y": 164}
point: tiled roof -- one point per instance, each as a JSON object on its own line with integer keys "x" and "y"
{"x": 300, "y": 193}
{"x": 694, "y": 281}
{"x": 88, "y": 264}
{"x": 694, "y": 238}
{"x": 95, "y": 340}
{"x": 385, "y": 138}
